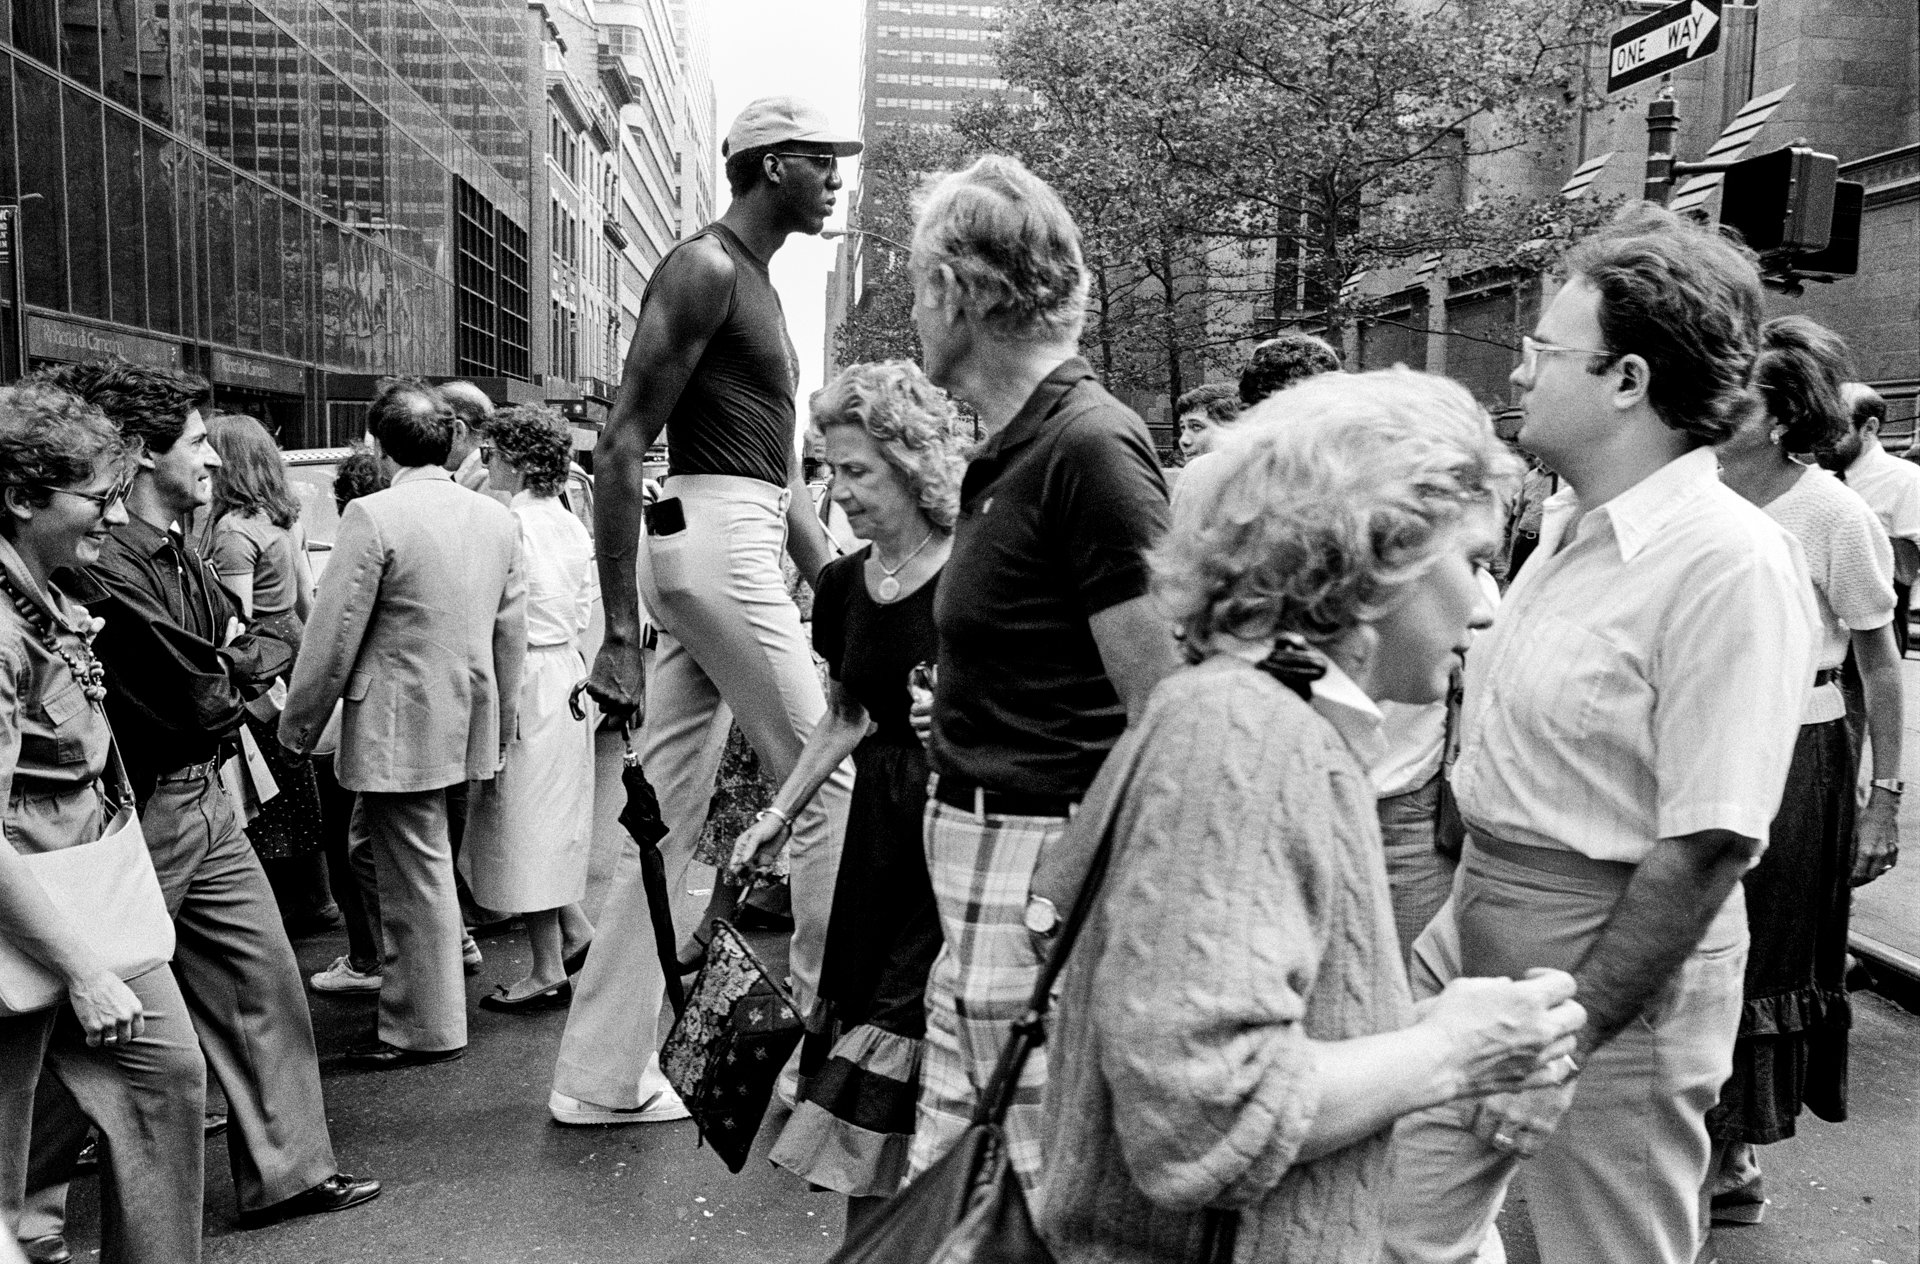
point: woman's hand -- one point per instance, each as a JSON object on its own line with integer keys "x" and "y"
{"x": 757, "y": 847}
{"x": 109, "y": 1012}
{"x": 1503, "y": 1036}
{"x": 1876, "y": 838}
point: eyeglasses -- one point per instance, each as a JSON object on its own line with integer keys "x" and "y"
{"x": 102, "y": 500}
{"x": 829, "y": 162}
{"x": 1532, "y": 349}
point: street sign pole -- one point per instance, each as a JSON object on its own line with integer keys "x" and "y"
{"x": 1663, "y": 124}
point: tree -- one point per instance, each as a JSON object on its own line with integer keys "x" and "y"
{"x": 897, "y": 158}
{"x": 1330, "y": 137}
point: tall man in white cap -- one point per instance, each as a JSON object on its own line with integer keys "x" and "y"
{"x": 711, "y": 365}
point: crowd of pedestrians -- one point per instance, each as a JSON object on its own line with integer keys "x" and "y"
{"x": 1419, "y": 817}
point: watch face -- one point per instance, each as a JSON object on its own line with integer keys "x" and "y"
{"x": 1041, "y": 917}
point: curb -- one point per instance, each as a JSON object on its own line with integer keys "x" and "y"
{"x": 1895, "y": 973}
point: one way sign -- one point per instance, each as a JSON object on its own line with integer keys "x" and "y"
{"x": 1674, "y": 36}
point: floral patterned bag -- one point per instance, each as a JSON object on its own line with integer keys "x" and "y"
{"x": 727, "y": 1047}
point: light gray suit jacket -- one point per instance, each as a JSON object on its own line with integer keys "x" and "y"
{"x": 421, "y": 625}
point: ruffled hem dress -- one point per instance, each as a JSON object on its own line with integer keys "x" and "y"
{"x": 860, "y": 1065}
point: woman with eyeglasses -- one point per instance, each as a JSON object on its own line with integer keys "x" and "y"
{"x": 125, "y": 1049}
{"x": 259, "y": 552}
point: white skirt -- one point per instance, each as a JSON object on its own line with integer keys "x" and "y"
{"x": 530, "y": 829}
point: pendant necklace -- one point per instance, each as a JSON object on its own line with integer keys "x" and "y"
{"x": 889, "y": 587}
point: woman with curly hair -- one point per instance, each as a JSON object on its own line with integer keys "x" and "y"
{"x": 1235, "y": 1035}
{"x": 529, "y": 830}
{"x": 124, "y": 1048}
{"x": 896, "y": 447}
{"x": 1792, "y": 1047}
{"x": 259, "y": 552}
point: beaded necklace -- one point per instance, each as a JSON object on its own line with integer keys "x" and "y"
{"x": 86, "y": 669}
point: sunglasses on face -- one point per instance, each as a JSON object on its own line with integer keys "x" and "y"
{"x": 826, "y": 162}
{"x": 102, "y": 501}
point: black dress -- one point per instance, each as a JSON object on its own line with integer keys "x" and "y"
{"x": 855, "y": 1119}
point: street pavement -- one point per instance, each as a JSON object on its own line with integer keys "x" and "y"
{"x": 476, "y": 1173}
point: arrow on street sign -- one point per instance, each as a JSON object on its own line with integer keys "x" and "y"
{"x": 1674, "y": 36}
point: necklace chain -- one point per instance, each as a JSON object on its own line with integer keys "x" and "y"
{"x": 86, "y": 669}
{"x": 889, "y": 587}
{"x": 891, "y": 571}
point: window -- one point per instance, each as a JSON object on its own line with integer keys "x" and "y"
{"x": 490, "y": 298}
{"x": 915, "y": 103}
{"x": 921, "y": 9}
{"x": 965, "y": 34}
{"x": 942, "y": 81}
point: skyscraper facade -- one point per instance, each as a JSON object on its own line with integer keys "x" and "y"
{"x": 254, "y": 190}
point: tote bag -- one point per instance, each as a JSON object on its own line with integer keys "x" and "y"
{"x": 109, "y": 890}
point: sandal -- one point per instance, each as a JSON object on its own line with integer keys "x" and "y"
{"x": 556, "y": 997}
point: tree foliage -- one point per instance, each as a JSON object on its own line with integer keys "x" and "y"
{"x": 1259, "y": 155}
{"x": 896, "y": 160}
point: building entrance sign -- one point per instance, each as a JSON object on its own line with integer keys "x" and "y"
{"x": 52, "y": 339}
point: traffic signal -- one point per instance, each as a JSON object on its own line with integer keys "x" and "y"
{"x": 1842, "y": 255}
{"x": 1781, "y": 201}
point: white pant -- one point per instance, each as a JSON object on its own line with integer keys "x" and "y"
{"x": 731, "y": 647}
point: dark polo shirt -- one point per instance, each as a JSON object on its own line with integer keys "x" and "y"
{"x": 1056, "y": 513}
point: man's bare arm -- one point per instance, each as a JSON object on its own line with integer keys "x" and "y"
{"x": 1137, "y": 648}
{"x": 686, "y": 306}
{"x": 1669, "y": 903}
{"x": 807, "y": 542}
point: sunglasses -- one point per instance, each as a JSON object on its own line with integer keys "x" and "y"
{"x": 827, "y": 162}
{"x": 103, "y": 501}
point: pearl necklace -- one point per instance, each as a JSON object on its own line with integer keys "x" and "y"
{"x": 889, "y": 587}
{"x": 86, "y": 669}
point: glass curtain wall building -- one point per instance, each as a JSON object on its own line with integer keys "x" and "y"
{"x": 288, "y": 196}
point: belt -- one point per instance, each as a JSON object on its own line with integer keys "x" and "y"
{"x": 192, "y": 772}
{"x": 1825, "y": 676}
{"x": 971, "y": 796}
{"x": 1553, "y": 860}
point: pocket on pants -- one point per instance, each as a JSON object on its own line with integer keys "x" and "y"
{"x": 668, "y": 563}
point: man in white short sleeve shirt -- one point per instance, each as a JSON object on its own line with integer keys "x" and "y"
{"x": 1889, "y": 485}
{"x": 1628, "y": 724}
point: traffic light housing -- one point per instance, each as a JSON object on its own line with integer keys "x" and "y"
{"x": 1781, "y": 201}
{"x": 1842, "y": 255}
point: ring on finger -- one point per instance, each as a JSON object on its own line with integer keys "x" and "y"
{"x": 1502, "y": 1141}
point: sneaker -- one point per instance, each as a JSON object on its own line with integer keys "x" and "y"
{"x": 469, "y": 953}
{"x": 342, "y": 977}
{"x": 663, "y": 1107}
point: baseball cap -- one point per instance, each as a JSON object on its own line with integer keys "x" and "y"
{"x": 775, "y": 120}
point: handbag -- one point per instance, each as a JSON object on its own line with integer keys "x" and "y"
{"x": 969, "y": 1207}
{"x": 729, "y": 1043}
{"x": 107, "y": 887}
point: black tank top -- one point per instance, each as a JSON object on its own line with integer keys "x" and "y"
{"x": 736, "y": 414}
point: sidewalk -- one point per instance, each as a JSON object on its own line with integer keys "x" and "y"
{"x": 1886, "y": 913}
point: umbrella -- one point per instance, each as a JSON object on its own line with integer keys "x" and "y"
{"x": 641, "y": 818}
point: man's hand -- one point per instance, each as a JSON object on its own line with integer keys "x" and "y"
{"x": 1521, "y": 1123}
{"x": 1876, "y": 838}
{"x": 617, "y": 683}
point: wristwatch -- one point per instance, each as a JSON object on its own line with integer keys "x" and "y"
{"x": 1041, "y": 917}
{"x": 1892, "y": 785}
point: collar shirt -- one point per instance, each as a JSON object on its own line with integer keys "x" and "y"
{"x": 1645, "y": 676}
{"x": 1057, "y": 511}
{"x": 1337, "y": 698}
{"x": 557, "y": 557}
{"x": 1891, "y": 488}
{"x": 177, "y": 687}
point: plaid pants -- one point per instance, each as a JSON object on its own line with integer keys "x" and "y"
{"x": 981, "y": 868}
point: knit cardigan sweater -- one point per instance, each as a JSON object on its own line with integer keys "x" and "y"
{"x": 1245, "y": 910}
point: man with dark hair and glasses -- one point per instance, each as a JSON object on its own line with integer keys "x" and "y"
{"x": 1626, "y": 733}
{"x": 179, "y": 674}
{"x": 712, "y": 368}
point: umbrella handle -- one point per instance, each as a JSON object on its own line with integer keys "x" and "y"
{"x": 628, "y": 758}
